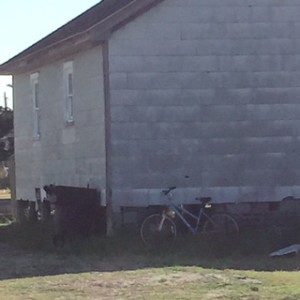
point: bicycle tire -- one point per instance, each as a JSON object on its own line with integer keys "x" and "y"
{"x": 221, "y": 226}
{"x": 152, "y": 236}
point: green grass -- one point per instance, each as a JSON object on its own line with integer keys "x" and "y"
{"x": 157, "y": 283}
{"x": 120, "y": 267}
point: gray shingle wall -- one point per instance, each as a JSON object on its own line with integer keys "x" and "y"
{"x": 64, "y": 155}
{"x": 209, "y": 89}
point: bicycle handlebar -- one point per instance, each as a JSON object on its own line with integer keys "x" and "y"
{"x": 166, "y": 192}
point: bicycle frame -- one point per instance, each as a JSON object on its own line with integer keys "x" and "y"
{"x": 179, "y": 210}
{"x": 159, "y": 227}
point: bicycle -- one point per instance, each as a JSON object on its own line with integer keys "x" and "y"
{"x": 160, "y": 228}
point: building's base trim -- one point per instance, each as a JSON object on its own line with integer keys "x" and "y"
{"x": 147, "y": 197}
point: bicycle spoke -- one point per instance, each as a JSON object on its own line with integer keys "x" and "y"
{"x": 221, "y": 225}
{"x": 157, "y": 230}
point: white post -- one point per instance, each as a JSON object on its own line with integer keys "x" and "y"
{"x": 5, "y": 100}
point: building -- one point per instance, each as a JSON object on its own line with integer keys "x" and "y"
{"x": 137, "y": 95}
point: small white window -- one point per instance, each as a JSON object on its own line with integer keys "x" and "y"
{"x": 68, "y": 92}
{"x": 34, "y": 80}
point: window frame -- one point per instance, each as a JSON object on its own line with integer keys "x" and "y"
{"x": 34, "y": 82}
{"x": 68, "y": 70}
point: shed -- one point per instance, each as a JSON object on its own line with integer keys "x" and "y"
{"x": 133, "y": 96}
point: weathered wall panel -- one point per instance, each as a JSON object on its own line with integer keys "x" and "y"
{"x": 64, "y": 155}
{"x": 209, "y": 89}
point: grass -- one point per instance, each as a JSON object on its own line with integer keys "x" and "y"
{"x": 5, "y": 194}
{"x": 157, "y": 283}
{"x": 121, "y": 268}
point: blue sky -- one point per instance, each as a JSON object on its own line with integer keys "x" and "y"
{"x": 24, "y": 22}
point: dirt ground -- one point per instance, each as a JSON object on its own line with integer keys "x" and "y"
{"x": 15, "y": 263}
{"x": 123, "y": 277}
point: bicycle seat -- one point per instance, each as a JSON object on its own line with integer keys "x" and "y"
{"x": 204, "y": 200}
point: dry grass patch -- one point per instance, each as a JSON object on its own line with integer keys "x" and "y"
{"x": 121, "y": 268}
{"x": 157, "y": 284}
{"x": 5, "y": 194}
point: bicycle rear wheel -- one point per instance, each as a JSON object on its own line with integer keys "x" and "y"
{"x": 157, "y": 230}
{"x": 221, "y": 226}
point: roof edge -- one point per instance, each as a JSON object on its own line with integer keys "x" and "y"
{"x": 90, "y": 37}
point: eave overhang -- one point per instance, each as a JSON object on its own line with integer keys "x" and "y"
{"x": 28, "y": 61}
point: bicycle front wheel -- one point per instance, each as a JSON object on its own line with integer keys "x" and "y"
{"x": 221, "y": 226}
{"x": 157, "y": 230}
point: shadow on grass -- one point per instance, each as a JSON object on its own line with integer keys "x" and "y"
{"x": 27, "y": 251}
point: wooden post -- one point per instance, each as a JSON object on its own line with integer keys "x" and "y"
{"x": 12, "y": 186}
{"x": 21, "y": 206}
{"x": 32, "y": 214}
{"x": 5, "y": 100}
{"x": 46, "y": 210}
{"x": 108, "y": 164}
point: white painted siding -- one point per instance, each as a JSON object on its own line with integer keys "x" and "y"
{"x": 64, "y": 155}
{"x": 209, "y": 89}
